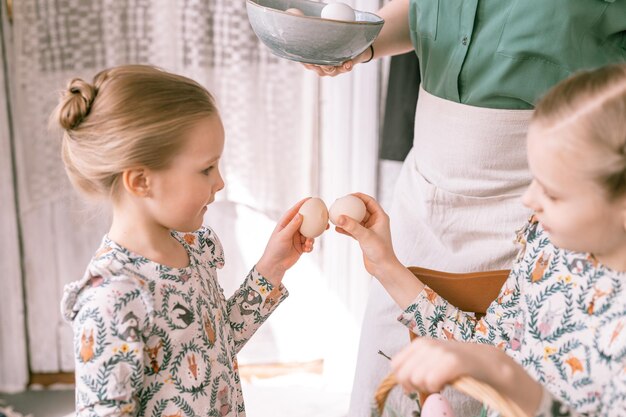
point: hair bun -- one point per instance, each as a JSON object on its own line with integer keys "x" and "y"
{"x": 76, "y": 103}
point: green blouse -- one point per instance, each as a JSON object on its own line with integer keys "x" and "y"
{"x": 506, "y": 53}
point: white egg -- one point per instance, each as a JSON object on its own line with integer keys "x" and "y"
{"x": 295, "y": 11}
{"x": 314, "y": 217}
{"x": 350, "y": 206}
{"x": 338, "y": 11}
{"x": 436, "y": 406}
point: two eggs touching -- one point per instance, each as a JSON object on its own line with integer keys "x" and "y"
{"x": 332, "y": 11}
{"x": 315, "y": 215}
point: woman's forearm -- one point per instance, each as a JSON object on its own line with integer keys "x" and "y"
{"x": 394, "y": 38}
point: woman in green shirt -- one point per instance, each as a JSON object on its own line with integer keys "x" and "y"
{"x": 484, "y": 63}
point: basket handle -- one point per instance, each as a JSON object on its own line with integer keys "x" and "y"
{"x": 467, "y": 385}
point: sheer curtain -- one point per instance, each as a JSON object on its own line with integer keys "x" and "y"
{"x": 13, "y": 362}
{"x": 350, "y": 114}
{"x": 267, "y": 160}
{"x": 288, "y": 135}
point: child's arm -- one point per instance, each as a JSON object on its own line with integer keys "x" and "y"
{"x": 109, "y": 349}
{"x": 374, "y": 237}
{"x": 431, "y": 315}
{"x": 285, "y": 246}
{"x": 426, "y": 313}
{"x": 449, "y": 360}
{"x": 263, "y": 290}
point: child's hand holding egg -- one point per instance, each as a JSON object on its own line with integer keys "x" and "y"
{"x": 351, "y": 206}
{"x": 314, "y": 218}
{"x": 338, "y": 11}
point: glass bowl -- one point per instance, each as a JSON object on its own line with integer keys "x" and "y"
{"x": 309, "y": 38}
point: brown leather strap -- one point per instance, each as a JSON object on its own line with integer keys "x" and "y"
{"x": 471, "y": 292}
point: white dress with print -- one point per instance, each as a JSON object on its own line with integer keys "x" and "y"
{"x": 151, "y": 340}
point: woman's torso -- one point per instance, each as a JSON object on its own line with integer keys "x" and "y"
{"x": 506, "y": 54}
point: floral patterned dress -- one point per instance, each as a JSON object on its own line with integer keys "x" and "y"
{"x": 560, "y": 314}
{"x": 150, "y": 340}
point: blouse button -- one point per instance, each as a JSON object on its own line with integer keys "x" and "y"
{"x": 464, "y": 41}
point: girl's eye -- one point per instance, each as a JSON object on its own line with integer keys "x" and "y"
{"x": 550, "y": 197}
{"x": 206, "y": 171}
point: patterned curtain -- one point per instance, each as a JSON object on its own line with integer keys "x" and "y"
{"x": 268, "y": 163}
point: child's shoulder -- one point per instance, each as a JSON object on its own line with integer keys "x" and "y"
{"x": 107, "y": 284}
{"x": 204, "y": 244}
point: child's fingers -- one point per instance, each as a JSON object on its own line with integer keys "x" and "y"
{"x": 400, "y": 358}
{"x": 352, "y": 227}
{"x": 371, "y": 204}
{"x": 293, "y": 225}
{"x": 291, "y": 213}
{"x": 343, "y": 232}
{"x": 306, "y": 243}
{"x": 410, "y": 370}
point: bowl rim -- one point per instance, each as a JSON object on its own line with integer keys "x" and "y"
{"x": 380, "y": 20}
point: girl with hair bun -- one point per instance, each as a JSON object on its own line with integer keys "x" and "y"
{"x": 153, "y": 332}
{"x": 554, "y": 341}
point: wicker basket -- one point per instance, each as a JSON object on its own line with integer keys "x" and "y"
{"x": 478, "y": 390}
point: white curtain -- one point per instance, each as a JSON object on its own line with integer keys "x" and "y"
{"x": 288, "y": 135}
{"x": 268, "y": 150}
{"x": 13, "y": 363}
{"x": 350, "y": 115}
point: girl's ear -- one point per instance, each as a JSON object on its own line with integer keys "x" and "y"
{"x": 136, "y": 182}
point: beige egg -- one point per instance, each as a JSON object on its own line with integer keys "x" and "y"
{"x": 295, "y": 11}
{"x": 338, "y": 11}
{"x": 314, "y": 217}
{"x": 350, "y": 206}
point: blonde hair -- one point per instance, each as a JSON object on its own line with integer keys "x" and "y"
{"x": 591, "y": 105}
{"x": 129, "y": 116}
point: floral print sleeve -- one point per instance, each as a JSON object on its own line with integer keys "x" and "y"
{"x": 252, "y": 303}
{"x": 109, "y": 347}
{"x": 431, "y": 315}
{"x": 502, "y": 326}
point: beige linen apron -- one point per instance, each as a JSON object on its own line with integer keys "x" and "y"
{"x": 456, "y": 207}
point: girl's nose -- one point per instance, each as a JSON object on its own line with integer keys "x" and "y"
{"x": 220, "y": 183}
{"x": 529, "y": 199}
